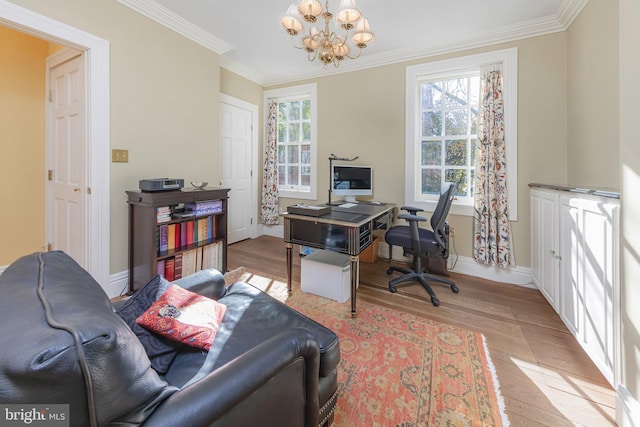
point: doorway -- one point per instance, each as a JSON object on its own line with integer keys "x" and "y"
{"x": 67, "y": 192}
{"x": 239, "y": 163}
{"x": 96, "y": 62}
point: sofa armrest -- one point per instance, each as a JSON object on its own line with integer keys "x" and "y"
{"x": 208, "y": 283}
{"x": 275, "y": 383}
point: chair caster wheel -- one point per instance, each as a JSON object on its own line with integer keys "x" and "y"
{"x": 392, "y": 289}
{"x": 435, "y": 301}
{"x": 455, "y": 289}
{"x": 389, "y": 271}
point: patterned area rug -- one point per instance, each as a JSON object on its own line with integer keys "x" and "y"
{"x": 398, "y": 369}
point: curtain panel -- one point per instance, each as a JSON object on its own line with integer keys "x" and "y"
{"x": 270, "y": 202}
{"x": 492, "y": 229}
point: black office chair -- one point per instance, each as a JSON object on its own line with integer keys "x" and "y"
{"x": 421, "y": 242}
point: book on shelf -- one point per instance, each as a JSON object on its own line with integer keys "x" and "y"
{"x": 177, "y": 235}
{"x": 198, "y": 259}
{"x": 171, "y": 236}
{"x": 203, "y": 229}
{"x": 188, "y": 262}
{"x": 169, "y": 269}
{"x": 160, "y": 267}
{"x": 190, "y": 226}
{"x": 177, "y": 268}
{"x": 163, "y": 238}
{"x": 183, "y": 235}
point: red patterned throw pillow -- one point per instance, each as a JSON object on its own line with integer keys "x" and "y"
{"x": 184, "y": 316}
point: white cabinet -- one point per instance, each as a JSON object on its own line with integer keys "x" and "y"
{"x": 574, "y": 264}
{"x": 589, "y": 250}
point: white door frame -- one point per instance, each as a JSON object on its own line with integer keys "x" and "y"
{"x": 226, "y": 99}
{"x": 96, "y": 54}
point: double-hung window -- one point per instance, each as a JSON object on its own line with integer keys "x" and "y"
{"x": 296, "y": 140}
{"x": 443, "y": 101}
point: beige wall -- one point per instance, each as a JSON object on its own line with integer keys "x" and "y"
{"x": 630, "y": 166}
{"x": 22, "y": 138}
{"x": 164, "y": 101}
{"x": 593, "y": 97}
{"x": 239, "y": 87}
{"x": 363, "y": 114}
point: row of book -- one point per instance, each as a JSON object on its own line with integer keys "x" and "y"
{"x": 163, "y": 214}
{"x": 183, "y": 234}
{"x": 191, "y": 261}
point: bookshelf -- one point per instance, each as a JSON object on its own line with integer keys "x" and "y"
{"x": 166, "y": 237}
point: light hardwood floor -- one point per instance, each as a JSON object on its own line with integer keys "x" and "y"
{"x": 545, "y": 377}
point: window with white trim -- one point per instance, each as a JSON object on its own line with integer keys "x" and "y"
{"x": 442, "y": 122}
{"x": 297, "y": 140}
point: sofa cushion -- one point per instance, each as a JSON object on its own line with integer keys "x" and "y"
{"x": 160, "y": 350}
{"x": 184, "y": 316}
{"x": 65, "y": 344}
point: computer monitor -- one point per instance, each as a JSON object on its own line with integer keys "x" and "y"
{"x": 351, "y": 181}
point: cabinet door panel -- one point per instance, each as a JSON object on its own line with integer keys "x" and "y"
{"x": 571, "y": 305}
{"x": 599, "y": 247}
{"x": 544, "y": 245}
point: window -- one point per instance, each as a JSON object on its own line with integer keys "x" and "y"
{"x": 442, "y": 123}
{"x": 296, "y": 140}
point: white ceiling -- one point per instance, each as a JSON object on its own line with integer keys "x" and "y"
{"x": 252, "y": 43}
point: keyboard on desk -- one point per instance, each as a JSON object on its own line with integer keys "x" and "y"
{"x": 347, "y": 205}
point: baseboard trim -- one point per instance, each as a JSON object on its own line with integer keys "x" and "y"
{"x": 520, "y": 276}
{"x": 118, "y": 284}
{"x": 272, "y": 230}
{"x": 3, "y": 268}
{"x": 627, "y": 408}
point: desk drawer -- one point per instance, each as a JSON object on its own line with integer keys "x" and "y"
{"x": 321, "y": 235}
{"x": 384, "y": 221}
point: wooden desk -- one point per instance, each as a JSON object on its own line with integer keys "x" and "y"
{"x": 345, "y": 230}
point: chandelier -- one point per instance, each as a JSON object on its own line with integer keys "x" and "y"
{"x": 324, "y": 43}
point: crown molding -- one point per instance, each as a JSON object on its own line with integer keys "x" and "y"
{"x": 242, "y": 70}
{"x": 171, "y": 20}
{"x": 569, "y": 11}
{"x": 560, "y": 21}
{"x": 532, "y": 28}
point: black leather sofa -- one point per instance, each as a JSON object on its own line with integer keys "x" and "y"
{"x": 64, "y": 342}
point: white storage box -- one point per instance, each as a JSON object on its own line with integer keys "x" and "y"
{"x": 327, "y": 274}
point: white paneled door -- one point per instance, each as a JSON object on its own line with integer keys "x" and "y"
{"x": 237, "y": 142}
{"x": 67, "y": 189}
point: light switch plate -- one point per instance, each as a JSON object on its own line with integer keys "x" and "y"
{"x": 119, "y": 156}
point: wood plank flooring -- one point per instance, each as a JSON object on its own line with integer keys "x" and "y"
{"x": 546, "y": 378}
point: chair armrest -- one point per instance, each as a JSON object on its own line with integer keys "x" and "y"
{"x": 275, "y": 383}
{"x": 411, "y": 210}
{"x": 412, "y": 217}
{"x": 208, "y": 283}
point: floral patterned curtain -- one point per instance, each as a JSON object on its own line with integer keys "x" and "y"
{"x": 492, "y": 229}
{"x": 270, "y": 203}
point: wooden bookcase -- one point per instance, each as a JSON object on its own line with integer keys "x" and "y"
{"x": 146, "y": 229}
